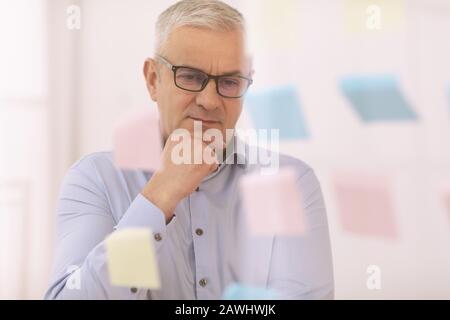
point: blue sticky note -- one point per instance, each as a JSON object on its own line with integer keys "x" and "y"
{"x": 237, "y": 291}
{"x": 377, "y": 98}
{"x": 278, "y": 108}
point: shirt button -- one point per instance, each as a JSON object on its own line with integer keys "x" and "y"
{"x": 133, "y": 290}
{"x": 199, "y": 232}
{"x": 203, "y": 282}
{"x": 158, "y": 237}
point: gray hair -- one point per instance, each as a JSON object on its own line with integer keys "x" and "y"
{"x": 209, "y": 14}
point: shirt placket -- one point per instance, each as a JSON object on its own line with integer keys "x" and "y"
{"x": 199, "y": 230}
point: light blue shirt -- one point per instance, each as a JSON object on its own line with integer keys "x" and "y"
{"x": 200, "y": 252}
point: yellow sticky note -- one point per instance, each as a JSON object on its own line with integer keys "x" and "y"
{"x": 273, "y": 24}
{"x": 374, "y": 15}
{"x": 131, "y": 259}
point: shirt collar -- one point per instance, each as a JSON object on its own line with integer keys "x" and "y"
{"x": 235, "y": 154}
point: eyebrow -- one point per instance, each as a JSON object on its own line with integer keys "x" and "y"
{"x": 230, "y": 73}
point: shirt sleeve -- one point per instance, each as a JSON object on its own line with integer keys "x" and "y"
{"x": 301, "y": 267}
{"x": 84, "y": 219}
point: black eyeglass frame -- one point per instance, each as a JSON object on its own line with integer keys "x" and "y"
{"x": 205, "y": 83}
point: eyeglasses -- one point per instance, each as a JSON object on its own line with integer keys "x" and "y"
{"x": 194, "y": 80}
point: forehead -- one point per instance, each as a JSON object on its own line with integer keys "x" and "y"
{"x": 208, "y": 50}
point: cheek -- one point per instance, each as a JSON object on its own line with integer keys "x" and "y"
{"x": 172, "y": 105}
{"x": 179, "y": 103}
{"x": 233, "y": 113}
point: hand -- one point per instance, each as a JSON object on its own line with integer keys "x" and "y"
{"x": 173, "y": 182}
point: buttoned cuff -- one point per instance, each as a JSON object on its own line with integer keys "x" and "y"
{"x": 143, "y": 213}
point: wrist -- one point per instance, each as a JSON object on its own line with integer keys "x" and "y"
{"x": 162, "y": 199}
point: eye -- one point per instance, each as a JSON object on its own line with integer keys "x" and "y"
{"x": 190, "y": 75}
{"x": 231, "y": 82}
{"x": 186, "y": 75}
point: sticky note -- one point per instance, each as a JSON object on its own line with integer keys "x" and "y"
{"x": 273, "y": 26}
{"x": 365, "y": 204}
{"x": 273, "y": 203}
{"x": 137, "y": 141}
{"x": 376, "y": 98}
{"x": 131, "y": 259}
{"x": 238, "y": 291}
{"x": 278, "y": 108}
{"x": 374, "y": 15}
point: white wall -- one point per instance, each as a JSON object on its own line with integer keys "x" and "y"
{"x": 25, "y": 211}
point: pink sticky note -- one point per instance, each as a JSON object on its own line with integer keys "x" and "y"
{"x": 137, "y": 141}
{"x": 365, "y": 204}
{"x": 273, "y": 203}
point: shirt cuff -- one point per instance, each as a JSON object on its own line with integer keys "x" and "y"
{"x": 143, "y": 213}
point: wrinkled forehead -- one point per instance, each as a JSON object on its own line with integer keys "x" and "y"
{"x": 215, "y": 52}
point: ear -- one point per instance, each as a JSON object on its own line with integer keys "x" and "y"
{"x": 151, "y": 78}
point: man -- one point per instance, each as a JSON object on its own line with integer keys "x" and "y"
{"x": 200, "y": 72}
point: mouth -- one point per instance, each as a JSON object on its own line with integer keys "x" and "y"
{"x": 205, "y": 121}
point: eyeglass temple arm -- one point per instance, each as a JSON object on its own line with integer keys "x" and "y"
{"x": 167, "y": 63}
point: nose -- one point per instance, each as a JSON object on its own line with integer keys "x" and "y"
{"x": 209, "y": 99}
